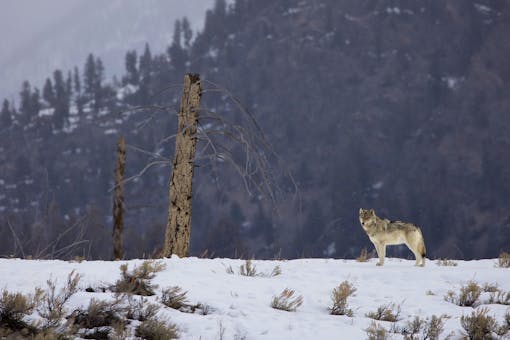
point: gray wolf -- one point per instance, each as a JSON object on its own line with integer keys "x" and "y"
{"x": 383, "y": 232}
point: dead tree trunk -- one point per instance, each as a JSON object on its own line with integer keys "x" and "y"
{"x": 118, "y": 199}
{"x": 178, "y": 225}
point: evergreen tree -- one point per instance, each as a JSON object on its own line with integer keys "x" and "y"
{"x": 76, "y": 81}
{"x": 187, "y": 33}
{"x": 61, "y": 100}
{"x": 77, "y": 90}
{"x": 175, "y": 51}
{"x": 35, "y": 101}
{"x": 132, "y": 76}
{"x": 69, "y": 85}
{"x": 89, "y": 77}
{"x": 98, "y": 88}
{"x": 145, "y": 76}
{"x": 93, "y": 76}
{"x": 6, "y": 115}
{"x": 48, "y": 93}
{"x": 26, "y": 109}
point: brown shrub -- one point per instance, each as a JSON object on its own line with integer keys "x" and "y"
{"x": 52, "y": 307}
{"x": 389, "y": 312}
{"x": 504, "y": 260}
{"x": 468, "y": 295}
{"x": 339, "y": 297}
{"x": 138, "y": 280}
{"x": 140, "y": 309}
{"x": 174, "y": 297}
{"x": 364, "y": 255}
{"x": 287, "y": 301}
{"x": 98, "y": 314}
{"x": 156, "y": 330}
{"x": 376, "y": 332}
{"x": 479, "y": 325}
{"x": 500, "y": 298}
{"x": 13, "y": 309}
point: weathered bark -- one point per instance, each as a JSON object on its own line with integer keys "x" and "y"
{"x": 118, "y": 199}
{"x": 178, "y": 226}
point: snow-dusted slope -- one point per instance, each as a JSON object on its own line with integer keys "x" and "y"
{"x": 105, "y": 28}
{"x": 240, "y": 305}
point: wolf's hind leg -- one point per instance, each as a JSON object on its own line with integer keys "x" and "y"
{"x": 420, "y": 260}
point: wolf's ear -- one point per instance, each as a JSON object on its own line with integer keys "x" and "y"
{"x": 360, "y": 210}
{"x": 372, "y": 211}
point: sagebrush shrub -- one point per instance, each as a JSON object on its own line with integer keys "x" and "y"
{"x": 14, "y": 307}
{"x": 430, "y": 328}
{"x": 504, "y": 260}
{"x": 53, "y": 301}
{"x": 434, "y": 327}
{"x": 376, "y": 332}
{"x": 174, "y": 297}
{"x": 490, "y": 287}
{"x": 467, "y": 296}
{"x": 138, "y": 281}
{"x": 389, "y": 312}
{"x": 339, "y": 297}
{"x": 479, "y": 325}
{"x": 98, "y": 314}
{"x": 287, "y": 301}
{"x": 500, "y": 298}
{"x": 412, "y": 328}
{"x": 157, "y": 330}
{"x": 140, "y": 309}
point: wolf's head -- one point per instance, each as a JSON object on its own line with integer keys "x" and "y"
{"x": 365, "y": 216}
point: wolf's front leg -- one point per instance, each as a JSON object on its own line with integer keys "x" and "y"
{"x": 381, "y": 252}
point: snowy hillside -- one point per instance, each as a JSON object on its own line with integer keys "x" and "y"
{"x": 238, "y": 307}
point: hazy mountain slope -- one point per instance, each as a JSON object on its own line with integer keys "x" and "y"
{"x": 401, "y": 107}
{"x": 64, "y": 38}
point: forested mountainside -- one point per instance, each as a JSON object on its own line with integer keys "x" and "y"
{"x": 393, "y": 105}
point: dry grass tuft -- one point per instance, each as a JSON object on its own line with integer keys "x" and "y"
{"x": 504, "y": 260}
{"x": 468, "y": 295}
{"x": 389, "y": 312}
{"x": 276, "y": 271}
{"x": 376, "y": 332}
{"x": 479, "y": 325}
{"x": 490, "y": 287}
{"x": 140, "y": 309}
{"x": 446, "y": 263}
{"x": 500, "y": 298}
{"x": 157, "y": 330}
{"x": 364, "y": 255}
{"x": 138, "y": 280}
{"x": 339, "y": 297}
{"x": 249, "y": 269}
{"x": 287, "y": 301}
{"x": 174, "y": 297}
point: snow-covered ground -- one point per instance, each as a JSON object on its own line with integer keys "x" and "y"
{"x": 240, "y": 305}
